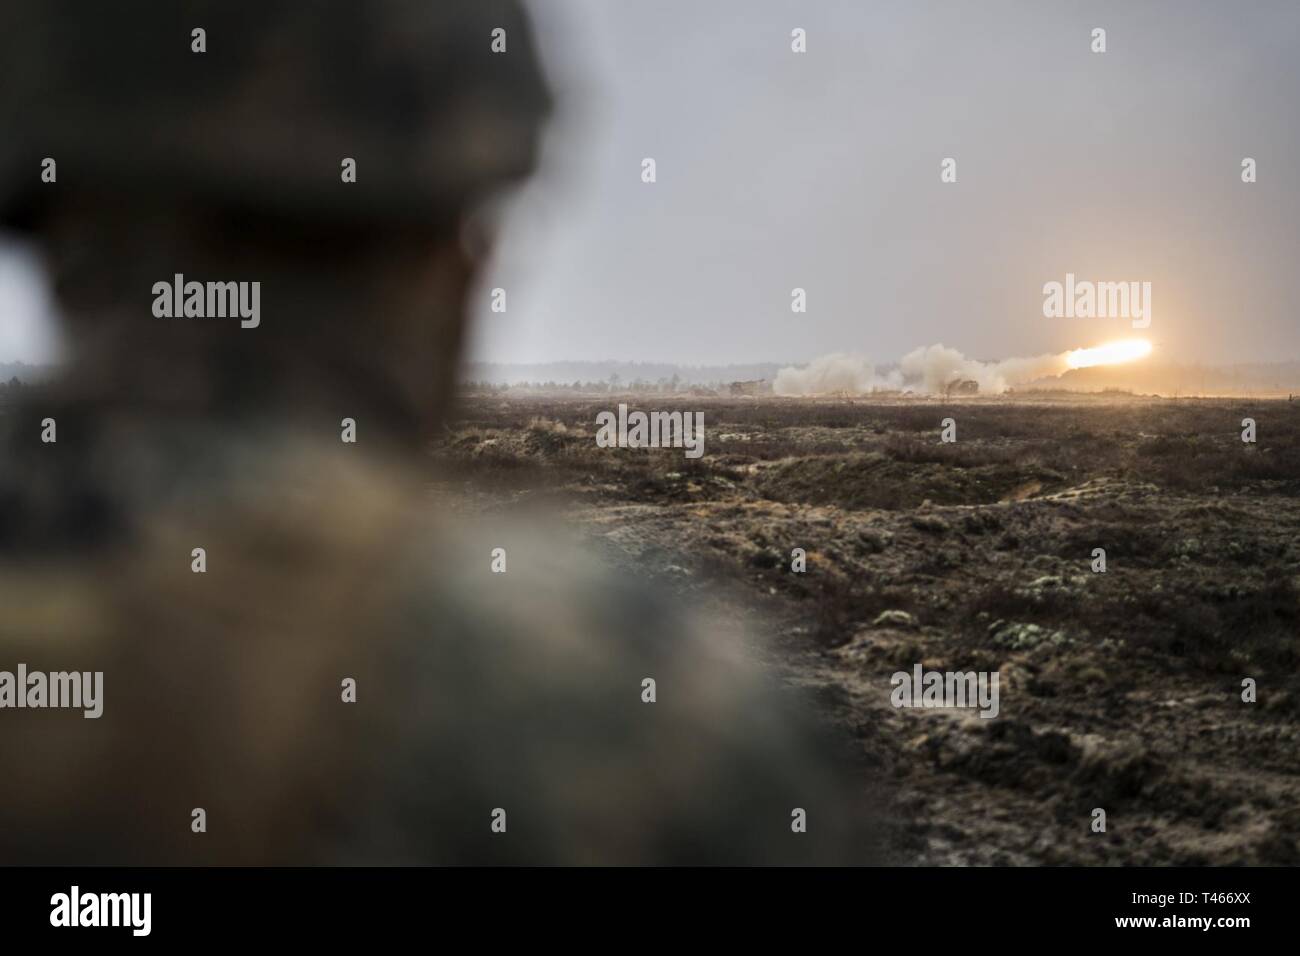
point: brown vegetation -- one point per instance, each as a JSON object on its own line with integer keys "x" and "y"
{"x": 1120, "y": 690}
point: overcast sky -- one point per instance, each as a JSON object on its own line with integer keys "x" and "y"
{"x": 821, "y": 170}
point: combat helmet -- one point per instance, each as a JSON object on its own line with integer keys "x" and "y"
{"x": 261, "y": 102}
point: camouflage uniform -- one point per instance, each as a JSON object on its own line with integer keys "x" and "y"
{"x": 475, "y": 690}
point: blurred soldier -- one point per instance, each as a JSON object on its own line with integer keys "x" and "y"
{"x": 300, "y": 663}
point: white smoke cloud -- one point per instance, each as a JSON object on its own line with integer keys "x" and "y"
{"x": 930, "y": 369}
{"x": 934, "y": 367}
{"x": 837, "y": 372}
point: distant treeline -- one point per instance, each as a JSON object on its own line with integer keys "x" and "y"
{"x": 11, "y": 390}
{"x": 24, "y": 372}
{"x": 1256, "y": 378}
{"x": 661, "y": 387}
{"x": 619, "y": 376}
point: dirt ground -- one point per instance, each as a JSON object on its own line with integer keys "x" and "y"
{"x": 1119, "y": 690}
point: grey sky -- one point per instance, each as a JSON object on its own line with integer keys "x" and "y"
{"x": 821, "y": 170}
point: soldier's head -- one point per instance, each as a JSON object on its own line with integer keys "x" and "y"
{"x": 334, "y": 153}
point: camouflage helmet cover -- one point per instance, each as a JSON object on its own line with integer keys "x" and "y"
{"x": 412, "y": 90}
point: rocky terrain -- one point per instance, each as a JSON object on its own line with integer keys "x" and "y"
{"x": 1120, "y": 690}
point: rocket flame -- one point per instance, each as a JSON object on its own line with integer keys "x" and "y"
{"x": 1112, "y": 353}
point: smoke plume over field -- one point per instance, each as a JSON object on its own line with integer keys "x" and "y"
{"x": 928, "y": 369}
{"x": 934, "y": 368}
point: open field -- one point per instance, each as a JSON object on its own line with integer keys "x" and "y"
{"x": 1120, "y": 690}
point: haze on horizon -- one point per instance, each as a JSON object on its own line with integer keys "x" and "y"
{"x": 820, "y": 170}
